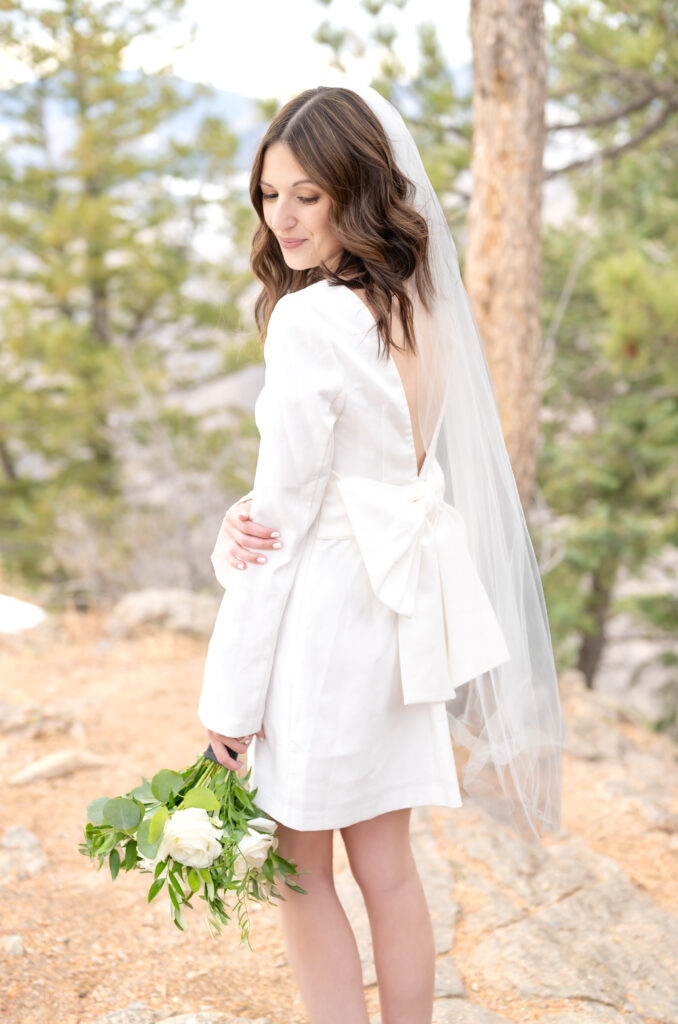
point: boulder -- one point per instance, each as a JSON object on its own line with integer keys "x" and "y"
{"x": 176, "y": 610}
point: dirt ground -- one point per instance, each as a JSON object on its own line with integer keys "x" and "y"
{"x": 92, "y": 945}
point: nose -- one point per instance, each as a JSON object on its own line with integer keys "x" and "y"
{"x": 282, "y": 218}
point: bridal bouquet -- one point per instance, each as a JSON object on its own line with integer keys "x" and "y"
{"x": 198, "y": 832}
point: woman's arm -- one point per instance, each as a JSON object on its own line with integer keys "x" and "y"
{"x": 296, "y": 413}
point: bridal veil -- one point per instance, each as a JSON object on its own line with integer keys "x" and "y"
{"x": 507, "y": 725}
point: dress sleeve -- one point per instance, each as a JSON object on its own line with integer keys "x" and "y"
{"x": 295, "y": 413}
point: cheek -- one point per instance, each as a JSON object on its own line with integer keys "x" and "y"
{"x": 322, "y": 227}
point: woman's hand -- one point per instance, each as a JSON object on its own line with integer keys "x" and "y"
{"x": 243, "y": 534}
{"x": 240, "y": 744}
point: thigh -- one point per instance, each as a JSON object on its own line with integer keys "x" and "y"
{"x": 379, "y": 850}
{"x": 310, "y": 851}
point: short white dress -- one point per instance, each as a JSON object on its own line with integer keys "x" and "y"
{"x": 347, "y": 642}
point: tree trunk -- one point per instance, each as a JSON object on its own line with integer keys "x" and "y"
{"x": 503, "y": 262}
{"x": 598, "y": 607}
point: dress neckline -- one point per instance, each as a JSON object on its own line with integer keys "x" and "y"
{"x": 401, "y": 387}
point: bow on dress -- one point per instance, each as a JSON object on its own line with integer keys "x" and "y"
{"x": 414, "y": 547}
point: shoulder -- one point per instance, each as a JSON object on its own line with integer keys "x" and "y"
{"x": 301, "y": 338}
{"x": 310, "y": 319}
{"x": 316, "y": 299}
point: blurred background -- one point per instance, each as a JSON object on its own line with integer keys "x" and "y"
{"x": 129, "y": 362}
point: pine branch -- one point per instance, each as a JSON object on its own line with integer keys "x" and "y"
{"x": 603, "y": 119}
{"x": 608, "y": 152}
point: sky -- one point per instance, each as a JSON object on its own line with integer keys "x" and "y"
{"x": 264, "y": 48}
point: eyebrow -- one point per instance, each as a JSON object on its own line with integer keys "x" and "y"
{"x": 302, "y": 181}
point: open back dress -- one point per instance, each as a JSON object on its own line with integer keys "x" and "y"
{"x": 347, "y": 642}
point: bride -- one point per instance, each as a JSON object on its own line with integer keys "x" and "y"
{"x": 398, "y": 595}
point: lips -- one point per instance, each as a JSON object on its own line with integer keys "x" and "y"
{"x": 291, "y": 243}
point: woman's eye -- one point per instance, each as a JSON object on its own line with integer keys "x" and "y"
{"x": 302, "y": 199}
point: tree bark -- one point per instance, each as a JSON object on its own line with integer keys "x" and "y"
{"x": 503, "y": 261}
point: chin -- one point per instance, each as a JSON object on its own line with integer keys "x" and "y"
{"x": 295, "y": 261}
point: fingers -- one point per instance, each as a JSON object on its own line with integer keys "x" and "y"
{"x": 247, "y": 537}
{"x": 219, "y": 744}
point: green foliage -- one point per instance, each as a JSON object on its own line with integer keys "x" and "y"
{"x": 608, "y": 467}
{"x": 100, "y": 276}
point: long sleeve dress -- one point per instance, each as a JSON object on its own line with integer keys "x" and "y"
{"x": 347, "y": 642}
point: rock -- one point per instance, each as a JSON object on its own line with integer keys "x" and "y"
{"x": 14, "y": 945}
{"x": 606, "y": 942}
{"x": 449, "y": 981}
{"x": 34, "y": 721}
{"x": 17, "y": 837}
{"x": 497, "y": 911}
{"x": 56, "y": 765}
{"x": 595, "y": 1013}
{"x": 178, "y": 610}
{"x": 135, "y": 1013}
{"x": 17, "y": 615}
{"x": 21, "y": 853}
{"x": 459, "y": 1011}
{"x": 38, "y": 639}
{"x": 209, "y": 1017}
{"x": 592, "y": 718}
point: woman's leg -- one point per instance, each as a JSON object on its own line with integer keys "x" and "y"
{"x": 320, "y": 943}
{"x": 382, "y": 863}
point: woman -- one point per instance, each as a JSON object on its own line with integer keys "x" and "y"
{"x": 341, "y": 650}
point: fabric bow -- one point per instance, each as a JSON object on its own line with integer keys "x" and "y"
{"x": 414, "y": 547}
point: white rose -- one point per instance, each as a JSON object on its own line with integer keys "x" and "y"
{"x": 253, "y": 847}
{"x": 262, "y": 824}
{"x": 191, "y": 837}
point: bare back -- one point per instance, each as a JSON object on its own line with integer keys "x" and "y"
{"x": 406, "y": 364}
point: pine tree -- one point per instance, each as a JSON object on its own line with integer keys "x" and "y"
{"x": 100, "y": 279}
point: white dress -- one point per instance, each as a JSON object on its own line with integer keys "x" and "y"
{"x": 347, "y": 642}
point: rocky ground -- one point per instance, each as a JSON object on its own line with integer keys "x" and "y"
{"x": 582, "y": 929}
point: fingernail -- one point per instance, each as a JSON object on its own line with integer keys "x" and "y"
{"x": 240, "y": 565}
{"x": 276, "y": 545}
{"x": 260, "y": 559}
{"x": 275, "y": 533}
{"x": 241, "y": 515}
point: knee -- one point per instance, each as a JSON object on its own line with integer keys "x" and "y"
{"x": 382, "y": 872}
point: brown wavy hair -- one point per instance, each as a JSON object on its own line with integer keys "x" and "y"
{"x": 341, "y": 145}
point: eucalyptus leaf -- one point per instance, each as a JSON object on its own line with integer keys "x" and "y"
{"x": 165, "y": 783}
{"x": 199, "y": 796}
{"x": 194, "y": 879}
{"x": 95, "y": 810}
{"x": 122, "y": 813}
{"x": 157, "y": 824}
{"x": 143, "y": 792}
{"x": 114, "y": 863}
{"x": 144, "y": 845}
{"x": 130, "y": 855}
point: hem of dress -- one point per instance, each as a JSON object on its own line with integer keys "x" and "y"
{"x": 300, "y": 823}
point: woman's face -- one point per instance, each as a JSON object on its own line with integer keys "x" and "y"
{"x": 297, "y": 211}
